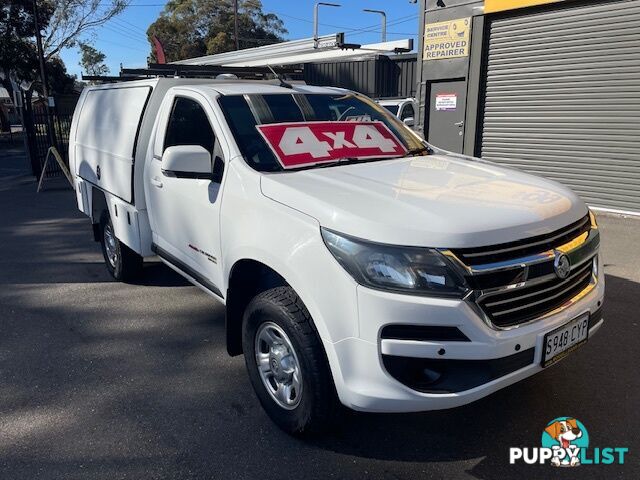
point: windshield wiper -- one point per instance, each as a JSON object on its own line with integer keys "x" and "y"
{"x": 416, "y": 151}
{"x": 346, "y": 161}
{"x": 341, "y": 161}
{"x": 351, "y": 160}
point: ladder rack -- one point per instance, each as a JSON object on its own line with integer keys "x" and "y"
{"x": 173, "y": 70}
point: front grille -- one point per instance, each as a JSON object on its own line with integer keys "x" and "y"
{"x": 507, "y": 308}
{"x": 516, "y": 282}
{"x": 523, "y": 248}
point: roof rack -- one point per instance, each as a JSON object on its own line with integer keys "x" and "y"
{"x": 109, "y": 78}
{"x": 206, "y": 71}
{"x": 198, "y": 71}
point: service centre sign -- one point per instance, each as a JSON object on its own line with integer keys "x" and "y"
{"x": 301, "y": 144}
{"x": 448, "y": 39}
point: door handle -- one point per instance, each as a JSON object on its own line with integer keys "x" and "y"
{"x": 459, "y": 124}
{"x": 156, "y": 182}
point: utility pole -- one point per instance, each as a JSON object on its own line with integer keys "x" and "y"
{"x": 43, "y": 72}
{"x": 43, "y": 75}
{"x": 383, "y": 14}
{"x": 235, "y": 23}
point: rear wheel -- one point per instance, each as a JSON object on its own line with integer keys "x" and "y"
{"x": 286, "y": 362}
{"x": 123, "y": 263}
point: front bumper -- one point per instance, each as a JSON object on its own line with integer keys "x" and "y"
{"x": 491, "y": 359}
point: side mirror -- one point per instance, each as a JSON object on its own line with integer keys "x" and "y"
{"x": 187, "y": 161}
{"x": 409, "y": 122}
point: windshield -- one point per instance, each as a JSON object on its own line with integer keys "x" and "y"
{"x": 245, "y": 112}
{"x": 392, "y": 108}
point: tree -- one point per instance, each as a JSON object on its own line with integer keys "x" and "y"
{"x": 72, "y": 18}
{"x": 62, "y": 21}
{"x": 18, "y": 55}
{"x": 92, "y": 60}
{"x": 191, "y": 28}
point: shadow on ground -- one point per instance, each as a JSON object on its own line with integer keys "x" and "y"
{"x": 106, "y": 380}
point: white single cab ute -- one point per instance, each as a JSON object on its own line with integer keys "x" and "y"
{"x": 403, "y": 108}
{"x": 358, "y": 264}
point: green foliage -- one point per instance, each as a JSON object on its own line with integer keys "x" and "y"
{"x": 72, "y": 18}
{"x": 17, "y": 44}
{"x": 58, "y": 79}
{"x": 92, "y": 60}
{"x": 191, "y": 28}
{"x": 61, "y": 22}
{"x": 18, "y": 53}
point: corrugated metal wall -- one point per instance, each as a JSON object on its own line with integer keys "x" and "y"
{"x": 562, "y": 98}
{"x": 397, "y": 76}
{"x": 377, "y": 77}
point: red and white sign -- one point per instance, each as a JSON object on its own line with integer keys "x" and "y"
{"x": 446, "y": 102}
{"x": 301, "y": 144}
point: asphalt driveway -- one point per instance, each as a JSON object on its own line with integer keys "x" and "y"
{"x": 102, "y": 380}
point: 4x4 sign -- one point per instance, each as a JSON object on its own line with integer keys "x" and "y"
{"x": 309, "y": 143}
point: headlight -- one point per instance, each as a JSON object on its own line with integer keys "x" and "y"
{"x": 420, "y": 271}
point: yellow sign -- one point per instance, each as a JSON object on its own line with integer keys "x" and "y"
{"x": 492, "y": 6}
{"x": 448, "y": 39}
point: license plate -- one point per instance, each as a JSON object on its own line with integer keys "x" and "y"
{"x": 564, "y": 340}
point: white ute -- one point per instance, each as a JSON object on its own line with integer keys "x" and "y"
{"x": 357, "y": 263}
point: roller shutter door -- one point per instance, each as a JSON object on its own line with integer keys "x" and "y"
{"x": 562, "y": 98}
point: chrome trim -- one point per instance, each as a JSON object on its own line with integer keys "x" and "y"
{"x": 568, "y": 249}
{"x": 537, "y": 292}
{"x": 472, "y": 298}
{"x": 532, "y": 244}
{"x": 533, "y": 281}
{"x": 582, "y": 249}
{"x": 508, "y": 264}
{"x": 577, "y": 279}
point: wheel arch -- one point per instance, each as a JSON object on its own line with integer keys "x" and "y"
{"x": 247, "y": 278}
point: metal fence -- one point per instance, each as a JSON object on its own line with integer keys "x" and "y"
{"x": 39, "y": 138}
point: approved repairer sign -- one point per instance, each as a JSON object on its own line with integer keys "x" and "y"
{"x": 448, "y": 39}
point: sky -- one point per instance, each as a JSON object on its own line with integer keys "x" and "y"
{"x": 123, "y": 39}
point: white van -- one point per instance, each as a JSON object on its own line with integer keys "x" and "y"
{"x": 358, "y": 264}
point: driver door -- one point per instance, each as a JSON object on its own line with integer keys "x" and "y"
{"x": 184, "y": 209}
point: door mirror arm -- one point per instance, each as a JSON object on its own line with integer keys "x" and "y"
{"x": 218, "y": 169}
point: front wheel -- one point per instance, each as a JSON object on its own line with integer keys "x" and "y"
{"x": 123, "y": 263}
{"x": 287, "y": 365}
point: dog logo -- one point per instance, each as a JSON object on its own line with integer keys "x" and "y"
{"x": 565, "y": 443}
{"x": 562, "y": 265}
{"x": 565, "y": 436}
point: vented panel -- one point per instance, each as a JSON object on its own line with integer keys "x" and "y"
{"x": 562, "y": 98}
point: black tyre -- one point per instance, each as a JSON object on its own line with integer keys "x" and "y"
{"x": 123, "y": 263}
{"x": 287, "y": 364}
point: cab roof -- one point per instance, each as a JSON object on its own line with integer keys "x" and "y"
{"x": 223, "y": 86}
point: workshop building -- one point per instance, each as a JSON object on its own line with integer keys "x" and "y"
{"x": 548, "y": 86}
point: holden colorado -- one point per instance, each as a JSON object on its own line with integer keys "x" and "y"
{"x": 358, "y": 264}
